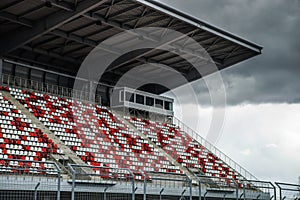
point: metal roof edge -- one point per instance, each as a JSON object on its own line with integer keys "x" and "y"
{"x": 202, "y": 24}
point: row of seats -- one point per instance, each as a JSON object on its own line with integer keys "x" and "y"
{"x": 97, "y": 136}
{"x": 27, "y": 167}
{"x": 20, "y": 139}
{"x": 183, "y": 148}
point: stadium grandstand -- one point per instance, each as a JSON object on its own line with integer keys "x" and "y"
{"x": 57, "y": 142}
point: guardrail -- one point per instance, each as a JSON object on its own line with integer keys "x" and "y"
{"x": 23, "y": 179}
{"x": 37, "y": 86}
{"x": 213, "y": 149}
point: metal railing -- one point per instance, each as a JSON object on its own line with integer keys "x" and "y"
{"x": 213, "y": 149}
{"x": 20, "y": 179}
{"x": 288, "y": 191}
{"x": 37, "y": 86}
{"x": 95, "y": 181}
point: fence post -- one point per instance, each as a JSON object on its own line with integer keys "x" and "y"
{"x": 244, "y": 192}
{"x": 204, "y": 196}
{"x": 35, "y": 190}
{"x": 199, "y": 182}
{"x": 190, "y": 187}
{"x": 58, "y": 185}
{"x": 182, "y": 193}
{"x": 160, "y": 193}
{"x": 105, "y": 193}
{"x": 274, "y": 188}
{"x": 58, "y": 180}
{"x": 145, "y": 185}
{"x": 236, "y": 189}
{"x": 133, "y": 185}
{"x": 73, "y": 181}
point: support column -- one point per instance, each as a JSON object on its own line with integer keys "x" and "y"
{"x": 92, "y": 91}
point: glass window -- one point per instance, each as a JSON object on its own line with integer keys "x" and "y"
{"x": 159, "y": 103}
{"x": 168, "y": 105}
{"x": 129, "y": 96}
{"x": 139, "y": 99}
{"x": 149, "y": 101}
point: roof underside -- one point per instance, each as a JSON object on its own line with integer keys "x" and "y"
{"x": 59, "y": 34}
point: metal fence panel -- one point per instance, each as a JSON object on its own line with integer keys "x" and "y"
{"x": 36, "y": 180}
{"x": 91, "y": 182}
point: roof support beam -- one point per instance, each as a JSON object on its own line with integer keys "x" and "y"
{"x": 49, "y": 39}
{"x": 122, "y": 27}
{"x": 66, "y": 68}
{"x": 10, "y": 4}
{"x": 52, "y": 54}
{"x": 18, "y": 38}
{"x": 93, "y": 43}
{"x": 61, "y": 4}
{"x": 15, "y": 19}
{"x": 85, "y": 41}
{"x": 121, "y": 12}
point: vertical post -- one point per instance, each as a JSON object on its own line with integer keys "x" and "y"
{"x": 182, "y": 193}
{"x": 58, "y": 180}
{"x": 199, "y": 182}
{"x": 190, "y": 187}
{"x": 244, "y": 191}
{"x": 274, "y": 189}
{"x": 236, "y": 189}
{"x": 73, "y": 181}
{"x": 160, "y": 193}
{"x": 73, "y": 185}
{"x": 91, "y": 91}
{"x": 145, "y": 185}
{"x": 105, "y": 193}
{"x": 133, "y": 185}
{"x": 280, "y": 192}
{"x": 58, "y": 184}
{"x": 35, "y": 190}
{"x": 204, "y": 196}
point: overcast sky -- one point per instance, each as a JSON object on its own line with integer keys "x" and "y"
{"x": 262, "y": 126}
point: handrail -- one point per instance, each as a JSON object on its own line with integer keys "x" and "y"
{"x": 37, "y": 86}
{"x": 213, "y": 149}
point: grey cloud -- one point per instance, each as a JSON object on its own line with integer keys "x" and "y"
{"x": 272, "y": 77}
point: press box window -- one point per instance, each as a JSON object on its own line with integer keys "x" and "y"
{"x": 168, "y": 105}
{"x": 159, "y": 103}
{"x": 129, "y": 96}
{"x": 149, "y": 101}
{"x": 139, "y": 99}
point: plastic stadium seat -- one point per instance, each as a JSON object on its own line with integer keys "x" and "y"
{"x": 184, "y": 149}
{"x": 18, "y": 137}
{"x": 93, "y": 132}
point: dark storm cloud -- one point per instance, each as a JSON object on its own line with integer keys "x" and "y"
{"x": 274, "y": 76}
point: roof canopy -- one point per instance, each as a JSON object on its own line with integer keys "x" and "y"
{"x": 58, "y": 35}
